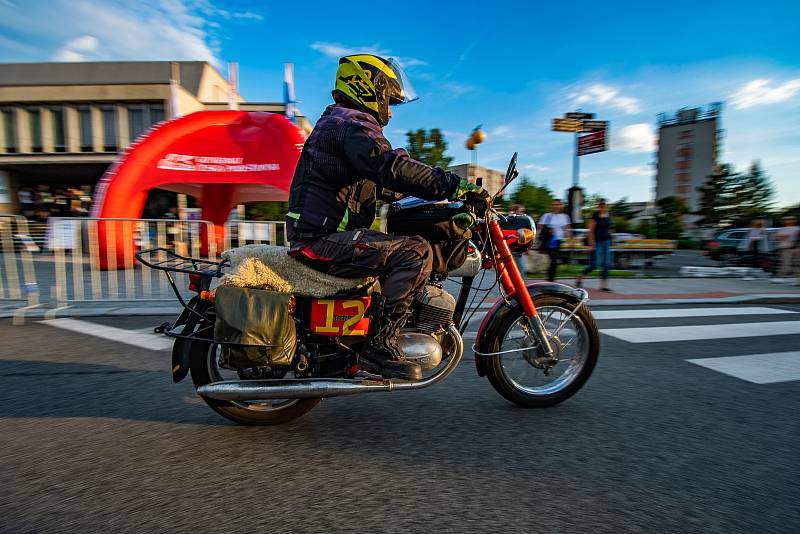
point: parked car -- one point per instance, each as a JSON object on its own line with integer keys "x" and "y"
{"x": 726, "y": 247}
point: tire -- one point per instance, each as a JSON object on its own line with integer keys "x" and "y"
{"x": 498, "y": 374}
{"x": 204, "y": 371}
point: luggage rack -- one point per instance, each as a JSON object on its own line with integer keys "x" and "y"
{"x": 202, "y": 270}
{"x": 180, "y": 264}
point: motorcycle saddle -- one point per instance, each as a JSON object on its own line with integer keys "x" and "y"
{"x": 270, "y": 267}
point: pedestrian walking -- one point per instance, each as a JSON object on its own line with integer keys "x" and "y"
{"x": 789, "y": 245}
{"x": 554, "y": 227}
{"x": 756, "y": 243}
{"x": 599, "y": 240}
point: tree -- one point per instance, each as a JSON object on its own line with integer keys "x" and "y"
{"x": 669, "y": 220}
{"x": 717, "y": 197}
{"x": 266, "y": 211}
{"x": 428, "y": 147}
{"x": 731, "y": 198}
{"x": 754, "y": 193}
{"x": 621, "y": 209}
{"x": 536, "y": 199}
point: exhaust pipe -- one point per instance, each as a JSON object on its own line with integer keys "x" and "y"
{"x": 320, "y": 388}
{"x": 299, "y": 388}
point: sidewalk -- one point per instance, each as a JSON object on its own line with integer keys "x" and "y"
{"x": 626, "y": 292}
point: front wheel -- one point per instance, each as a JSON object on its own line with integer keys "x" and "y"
{"x": 206, "y": 368}
{"x": 524, "y": 376}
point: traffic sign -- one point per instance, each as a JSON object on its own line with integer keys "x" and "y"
{"x": 566, "y": 125}
{"x": 579, "y": 115}
{"x": 592, "y": 143}
{"x": 594, "y": 126}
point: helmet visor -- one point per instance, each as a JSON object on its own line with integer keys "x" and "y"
{"x": 406, "y": 93}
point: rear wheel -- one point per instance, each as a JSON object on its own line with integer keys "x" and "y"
{"x": 523, "y": 375}
{"x": 205, "y": 367}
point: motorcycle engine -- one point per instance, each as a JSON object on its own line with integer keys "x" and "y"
{"x": 433, "y": 312}
{"x": 433, "y": 309}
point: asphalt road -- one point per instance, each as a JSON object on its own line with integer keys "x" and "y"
{"x": 96, "y": 438}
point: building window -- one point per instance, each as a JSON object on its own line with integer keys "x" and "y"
{"x": 142, "y": 116}
{"x": 9, "y": 129}
{"x": 85, "y": 129}
{"x": 35, "y": 124}
{"x": 136, "y": 122}
{"x": 109, "y": 129}
{"x": 59, "y": 136}
{"x": 156, "y": 113}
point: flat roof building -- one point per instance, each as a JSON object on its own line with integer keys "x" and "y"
{"x": 492, "y": 179}
{"x": 63, "y": 124}
{"x": 688, "y": 148}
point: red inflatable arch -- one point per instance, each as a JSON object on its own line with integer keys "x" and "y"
{"x": 223, "y": 158}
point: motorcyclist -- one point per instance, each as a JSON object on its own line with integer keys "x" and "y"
{"x": 345, "y": 166}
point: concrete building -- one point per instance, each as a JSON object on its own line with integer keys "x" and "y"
{"x": 63, "y": 124}
{"x": 688, "y": 147}
{"x": 492, "y": 179}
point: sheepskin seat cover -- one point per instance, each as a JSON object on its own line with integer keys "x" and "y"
{"x": 270, "y": 267}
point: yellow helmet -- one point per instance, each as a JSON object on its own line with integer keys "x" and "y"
{"x": 373, "y": 84}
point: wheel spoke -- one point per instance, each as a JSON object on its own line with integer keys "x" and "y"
{"x": 530, "y": 378}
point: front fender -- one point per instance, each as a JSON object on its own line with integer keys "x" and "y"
{"x": 502, "y": 307}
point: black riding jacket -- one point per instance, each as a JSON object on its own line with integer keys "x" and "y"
{"x": 346, "y": 164}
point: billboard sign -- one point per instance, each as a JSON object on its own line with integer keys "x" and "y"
{"x": 592, "y": 143}
{"x": 578, "y": 115}
{"x": 594, "y": 126}
{"x": 566, "y": 125}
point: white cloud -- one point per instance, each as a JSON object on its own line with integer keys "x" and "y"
{"x": 536, "y": 168}
{"x": 337, "y": 50}
{"x": 82, "y": 30}
{"x": 760, "y": 91}
{"x": 640, "y": 170}
{"x": 635, "y": 138}
{"x": 605, "y": 95}
{"x": 77, "y": 49}
{"x": 500, "y": 130}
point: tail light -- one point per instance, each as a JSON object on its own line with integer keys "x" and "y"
{"x": 194, "y": 282}
{"x": 713, "y": 244}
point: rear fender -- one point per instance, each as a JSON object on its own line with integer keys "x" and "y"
{"x": 182, "y": 347}
{"x": 495, "y": 316}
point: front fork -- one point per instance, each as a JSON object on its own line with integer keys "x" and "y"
{"x": 513, "y": 283}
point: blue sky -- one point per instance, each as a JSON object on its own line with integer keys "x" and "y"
{"x": 510, "y": 66}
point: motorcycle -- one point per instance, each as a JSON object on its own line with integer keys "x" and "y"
{"x": 537, "y": 345}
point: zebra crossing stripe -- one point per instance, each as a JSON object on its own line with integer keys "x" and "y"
{"x": 756, "y": 368}
{"x": 697, "y": 332}
{"x": 664, "y": 313}
{"x": 144, "y": 340}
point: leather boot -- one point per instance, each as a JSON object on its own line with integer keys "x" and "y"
{"x": 381, "y": 354}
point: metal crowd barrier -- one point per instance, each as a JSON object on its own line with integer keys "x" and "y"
{"x": 18, "y": 286}
{"x": 240, "y": 233}
{"x": 89, "y": 266}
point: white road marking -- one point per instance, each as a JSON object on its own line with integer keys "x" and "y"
{"x": 757, "y": 368}
{"x": 149, "y": 341}
{"x": 710, "y": 331}
{"x": 686, "y": 312}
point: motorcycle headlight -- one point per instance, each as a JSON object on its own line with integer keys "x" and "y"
{"x": 525, "y": 236}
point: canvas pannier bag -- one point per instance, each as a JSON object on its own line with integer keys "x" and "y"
{"x": 254, "y": 327}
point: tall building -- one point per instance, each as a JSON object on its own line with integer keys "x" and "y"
{"x": 491, "y": 179}
{"x": 63, "y": 124}
{"x": 688, "y": 147}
